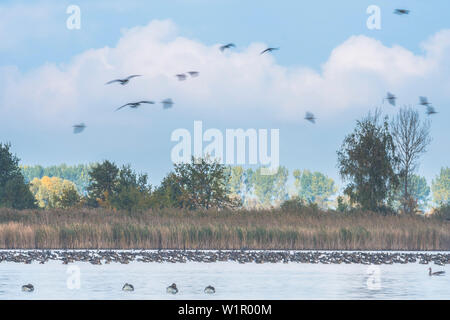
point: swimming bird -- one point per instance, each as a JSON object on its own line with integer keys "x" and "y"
{"x": 424, "y": 101}
{"x": 193, "y": 73}
{"x": 227, "y": 46}
{"x": 430, "y": 110}
{"x": 128, "y": 287}
{"x": 172, "y": 289}
{"x": 125, "y": 80}
{"x": 269, "y": 50}
{"x": 209, "y": 290}
{"x": 310, "y": 117}
{"x": 437, "y": 273}
{"x": 78, "y": 128}
{"x": 401, "y": 11}
{"x": 167, "y": 103}
{"x": 391, "y": 98}
{"x": 134, "y": 105}
{"x": 28, "y": 287}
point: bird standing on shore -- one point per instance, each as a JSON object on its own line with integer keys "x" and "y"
{"x": 437, "y": 273}
{"x": 125, "y": 80}
{"x": 134, "y": 105}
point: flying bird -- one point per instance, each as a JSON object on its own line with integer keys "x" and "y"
{"x": 78, "y": 128}
{"x": 167, "y": 103}
{"x": 125, "y": 80}
{"x": 134, "y": 105}
{"x": 227, "y": 46}
{"x": 269, "y": 50}
{"x": 181, "y": 76}
{"x": 391, "y": 98}
{"x": 193, "y": 73}
{"x": 401, "y": 11}
{"x": 430, "y": 110}
{"x": 424, "y": 101}
{"x": 310, "y": 117}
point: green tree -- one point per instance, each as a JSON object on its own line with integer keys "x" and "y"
{"x": 170, "y": 193}
{"x": 14, "y": 191}
{"x": 103, "y": 179}
{"x": 131, "y": 191}
{"x": 203, "y": 183}
{"x": 314, "y": 186}
{"x": 367, "y": 161}
{"x": 441, "y": 187}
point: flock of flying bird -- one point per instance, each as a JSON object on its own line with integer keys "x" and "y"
{"x": 168, "y": 103}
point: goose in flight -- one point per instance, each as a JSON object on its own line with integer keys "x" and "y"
{"x": 430, "y": 110}
{"x": 424, "y": 101}
{"x": 78, "y": 128}
{"x": 391, "y": 98}
{"x": 310, "y": 117}
{"x": 167, "y": 103}
{"x": 193, "y": 74}
{"x": 227, "y": 46}
{"x": 125, "y": 80}
{"x": 401, "y": 11}
{"x": 181, "y": 76}
{"x": 134, "y": 105}
{"x": 269, "y": 50}
{"x": 437, "y": 273}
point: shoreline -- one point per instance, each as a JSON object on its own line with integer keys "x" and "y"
{"x": 99, "y": 257}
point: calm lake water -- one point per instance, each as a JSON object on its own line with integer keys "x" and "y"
{"x": 232, "y": 280}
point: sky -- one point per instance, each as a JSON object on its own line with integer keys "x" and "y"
{"x": 329, "y": 63}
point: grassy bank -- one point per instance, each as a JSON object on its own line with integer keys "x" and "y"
{"x": 176, "y": 229}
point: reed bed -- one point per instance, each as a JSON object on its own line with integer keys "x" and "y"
{"x": 180, "y": 229}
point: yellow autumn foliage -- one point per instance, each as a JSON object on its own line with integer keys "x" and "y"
{"x": 49, "y": 191}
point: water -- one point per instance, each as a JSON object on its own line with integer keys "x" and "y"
{"x": 231, "y": 280}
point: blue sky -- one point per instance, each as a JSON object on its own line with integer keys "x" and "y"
{"x": 329, "y": 63}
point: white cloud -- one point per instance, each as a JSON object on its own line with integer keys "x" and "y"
{"x": 238, "y": 82}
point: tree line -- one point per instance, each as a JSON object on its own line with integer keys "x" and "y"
{"x": 377, "y": 161}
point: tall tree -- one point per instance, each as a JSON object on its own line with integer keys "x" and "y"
{"x": 204, "y": 184}
{"x": 103, "y": 178}
{"x": 367, "y": 161}
{"x": 441, "y": 187}
{"x": 14, "y": 191}
{"x": 411, "y": 137}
